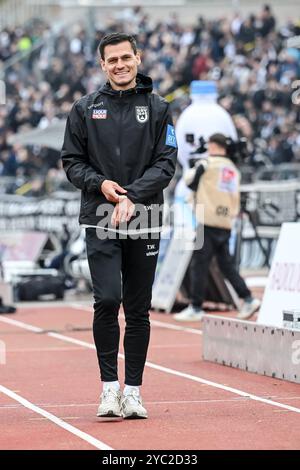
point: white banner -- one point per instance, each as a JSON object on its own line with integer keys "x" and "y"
{"x": 283, "y": 287}
{"x": 46, "y": 214}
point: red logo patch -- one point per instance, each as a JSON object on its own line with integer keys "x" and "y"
{"x": 99, "y": 114}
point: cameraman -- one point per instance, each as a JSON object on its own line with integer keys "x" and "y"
{"x": 216, "y": 185}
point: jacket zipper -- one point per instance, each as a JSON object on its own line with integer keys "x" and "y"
{"x": 120, "y": 138}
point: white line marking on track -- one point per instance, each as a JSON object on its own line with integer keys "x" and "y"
{"x": 45, "y": 419}
{"x": 168, "y": 326}
{"x": 222, "y": 387}
{"x": 174, "y": 345}
{"x": 25, "y": 326}
{"x": 258, "y": 281}
{"x": 161, "y": 402}
{"x": 71, "y": 340}
{"x": 62, "y": 349}
{"x": 167, "y": 370}
{"x": 59, "y": 422}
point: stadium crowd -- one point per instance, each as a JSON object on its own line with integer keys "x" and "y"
{"x": 246, "y": 56}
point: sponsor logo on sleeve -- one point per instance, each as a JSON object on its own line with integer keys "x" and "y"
{"x": 171, "y": 137}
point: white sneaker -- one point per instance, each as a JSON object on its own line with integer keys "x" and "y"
{"x": 248, "y": 309}
{"x": 132, "y": 406}
{"x": 110, "y": 404}
{"x": 189, "y": 314}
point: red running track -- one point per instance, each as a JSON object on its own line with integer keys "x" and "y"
{"x": 50, "y": 390}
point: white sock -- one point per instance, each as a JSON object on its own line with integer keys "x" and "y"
{"x": 130, "y": 388}
{"x": 115, "y": 385}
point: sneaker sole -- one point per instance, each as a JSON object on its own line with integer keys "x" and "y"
{"x": 135, "y": 416}
{"x": 109, "y": 414}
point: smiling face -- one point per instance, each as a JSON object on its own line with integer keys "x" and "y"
{"x": 120, "y": 65}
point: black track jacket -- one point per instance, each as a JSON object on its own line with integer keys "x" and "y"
{"x": 124, "y": 136}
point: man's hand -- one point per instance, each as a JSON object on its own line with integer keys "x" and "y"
{"x": 109, "y": 189}
{"x": 123, "y": 211}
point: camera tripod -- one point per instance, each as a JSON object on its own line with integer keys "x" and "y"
{"x": 253, "y": 224}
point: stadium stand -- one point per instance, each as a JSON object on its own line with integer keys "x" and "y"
{"x": 247, "y": 56}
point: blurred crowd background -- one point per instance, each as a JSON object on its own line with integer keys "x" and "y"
{"x": 46, "y": 69}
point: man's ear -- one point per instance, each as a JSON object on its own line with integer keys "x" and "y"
{"x": 102, "y": 64}
{"x": 138, "y": 57}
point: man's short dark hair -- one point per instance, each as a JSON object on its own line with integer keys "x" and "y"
{"x": 219, "y": 139}
{"x": 116, "y": 38}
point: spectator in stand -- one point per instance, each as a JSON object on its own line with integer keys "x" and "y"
{"x": 267, "y": 20}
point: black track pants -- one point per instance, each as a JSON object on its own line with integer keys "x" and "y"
{"x": 122, "y": 270}
{"x": 216, "y": 243}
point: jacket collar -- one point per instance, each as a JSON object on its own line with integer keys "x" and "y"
{"x": 143, "y": 85}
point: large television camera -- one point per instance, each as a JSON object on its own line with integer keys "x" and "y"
{"x": 235, "y": 150}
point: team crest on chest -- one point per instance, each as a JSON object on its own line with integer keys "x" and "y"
{"x": 142, "y": 114}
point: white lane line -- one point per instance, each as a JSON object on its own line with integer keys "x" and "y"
{"x": 174, "y": 345}
{"x": 62, "y": 349}
{"x": 168, "y": 326}
{"x": 221, "y": 387}
{"x": 161, "y": 402}
{"x": 25, "y": 326}
{"x": 175, "y": 372}
{"x": 59, "y": 422}
{"x": 258, "y": 281}
{"x": 45, "y": 419}
{"x": 84, "y": 344}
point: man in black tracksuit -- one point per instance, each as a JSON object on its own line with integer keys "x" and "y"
{"x": 120, "y": 150}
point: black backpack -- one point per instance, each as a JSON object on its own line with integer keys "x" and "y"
{"x": 37, "y": 286}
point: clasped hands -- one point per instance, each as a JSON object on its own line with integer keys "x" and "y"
{"x": 124, "y": 207}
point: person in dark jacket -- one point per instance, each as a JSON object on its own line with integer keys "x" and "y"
{"x": 120, "y": 149}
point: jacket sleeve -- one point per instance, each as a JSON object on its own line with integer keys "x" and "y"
{"x": 75, "y": 156}
{"x": 193, "y": 175}
{"x": 162, "y": 167}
